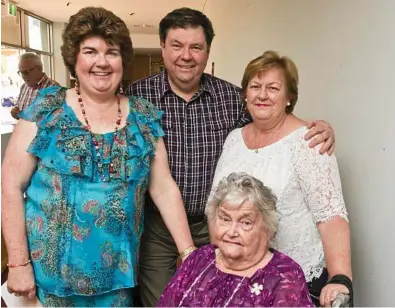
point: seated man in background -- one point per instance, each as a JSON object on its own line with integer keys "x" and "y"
{"x": 31, "y": 71}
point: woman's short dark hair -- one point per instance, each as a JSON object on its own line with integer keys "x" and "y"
{"x": 186, "y": 18}
{"x": 95, "y": 21}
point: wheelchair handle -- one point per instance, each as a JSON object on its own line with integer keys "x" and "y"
{"x": 341, "y": 300}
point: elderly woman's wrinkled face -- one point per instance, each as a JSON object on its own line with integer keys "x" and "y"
{"x": 99, "y": 66}
{"x": 267, "y": 95}
{"x": 239, "y": 232}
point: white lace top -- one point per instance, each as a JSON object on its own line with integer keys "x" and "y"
{"x": 307, "y": 186}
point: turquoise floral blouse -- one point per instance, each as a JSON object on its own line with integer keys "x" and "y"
{"x": 83, "y": 233}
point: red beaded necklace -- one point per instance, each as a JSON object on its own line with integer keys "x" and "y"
{"x": 100, "y": 144}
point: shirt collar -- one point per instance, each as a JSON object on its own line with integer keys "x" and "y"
{"x": 37, "y": 85}
{"x": 165, "y": 83}
{"x": 205, "y": 83}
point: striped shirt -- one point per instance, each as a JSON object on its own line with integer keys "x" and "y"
{"x": 28, "y": 94}
{"x": 195, "y": 131}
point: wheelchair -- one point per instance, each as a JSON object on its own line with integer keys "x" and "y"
{"x": 341, "y": 300}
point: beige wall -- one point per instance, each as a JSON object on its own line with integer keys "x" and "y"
{"x": 145, "y": 40}
{"x": 61, "y": 73}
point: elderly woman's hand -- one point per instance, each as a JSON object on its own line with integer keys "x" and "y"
{"x": 329, "y": 293}
{"x": 320, "y": 132}
{"x": 21, "y": 281}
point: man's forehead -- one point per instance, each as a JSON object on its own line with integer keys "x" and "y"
{"x": 187, "y": 35}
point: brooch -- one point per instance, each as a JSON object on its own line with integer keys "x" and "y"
{"x": 256, "y": 288}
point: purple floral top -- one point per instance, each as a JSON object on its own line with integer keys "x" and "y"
{"x": 281, "y": 283}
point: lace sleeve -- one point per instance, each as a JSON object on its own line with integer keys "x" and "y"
{"x": 319, "y": 180}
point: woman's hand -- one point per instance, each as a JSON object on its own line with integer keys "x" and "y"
{"x": 329, "y": 293}
{"x": 182, "y": 260}
{"x": 15, "y": 112}
{"x": 320, "y": 132}
{"x": 21, "y": 281}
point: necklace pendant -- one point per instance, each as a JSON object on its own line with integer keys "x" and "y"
{"x": 256, "y": 151}
{"x": 99, "y": 144}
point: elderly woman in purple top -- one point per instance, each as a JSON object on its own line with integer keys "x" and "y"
{"x": 238, "y": 269}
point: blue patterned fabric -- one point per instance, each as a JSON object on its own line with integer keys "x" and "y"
{"x": 83, "y": 233}
{"x": 117, "y": 298}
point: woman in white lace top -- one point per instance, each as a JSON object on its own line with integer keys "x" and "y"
{"x": 313, "y": 226}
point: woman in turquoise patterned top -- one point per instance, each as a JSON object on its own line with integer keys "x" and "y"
{"x": 85, "y": 157}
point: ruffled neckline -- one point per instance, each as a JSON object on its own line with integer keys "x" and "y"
{"x": 64, "y": 144}
{"x": 72, "y": 113}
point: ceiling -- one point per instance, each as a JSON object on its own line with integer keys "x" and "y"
{"x": 145, "y": 20}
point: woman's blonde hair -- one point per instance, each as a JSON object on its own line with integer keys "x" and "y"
{"x": 271, "y": 59}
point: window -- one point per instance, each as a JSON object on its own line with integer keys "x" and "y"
{"x": 36, "y": 38}
{"x": 37, "y": 34}
{"x": 47, "y": 67}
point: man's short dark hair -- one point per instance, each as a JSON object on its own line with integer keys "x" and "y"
{"x": 186, "y": 18}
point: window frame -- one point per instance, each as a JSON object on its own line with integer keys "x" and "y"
{"x": 23, "y": 15}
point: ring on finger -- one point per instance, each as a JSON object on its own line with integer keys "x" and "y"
{"x": 17, "y": 294}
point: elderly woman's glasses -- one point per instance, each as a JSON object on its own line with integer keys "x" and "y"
{"x": 27, "y": 72}
{"x": 244, "y": 224}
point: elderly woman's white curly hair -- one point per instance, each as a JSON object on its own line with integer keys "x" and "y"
{"x": 238, "y": 188}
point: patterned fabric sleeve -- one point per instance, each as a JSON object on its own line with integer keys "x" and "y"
{"x": 319, "y": 179}
{"x": 47, "y": 100}
{"x": 148, "y": 119}
{"x": 292, "y": 290}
